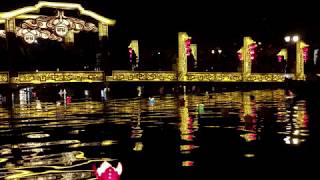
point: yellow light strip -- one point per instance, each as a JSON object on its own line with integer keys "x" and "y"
{"x": 59, "y": 5}
{"x": 14, "y": 13}
{"x": 98, "y": 17}
{"x": 23, "y": 16}
{"x": 27, "y": 16}
{"x": 103, "y": 30}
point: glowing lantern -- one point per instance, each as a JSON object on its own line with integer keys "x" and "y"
{"x": 187, "y": 163}
{"x": 240, "y": 54}
{"x": 187, "y": 46}
{"x": 252, "y": 49}
{"x": 305, "y": 51}
{"x": 130, "y": 54}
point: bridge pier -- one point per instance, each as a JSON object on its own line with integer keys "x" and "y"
{"x": 13, "y": 51}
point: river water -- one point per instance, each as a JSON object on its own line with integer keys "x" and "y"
{"x": 172, "y": 137}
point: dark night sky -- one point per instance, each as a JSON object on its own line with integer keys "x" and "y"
{"x": 212, "y": 24}
{"x": 217, "y": 20}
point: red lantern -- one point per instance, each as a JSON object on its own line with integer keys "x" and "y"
{"x": 305, "y": 51}
{"x": 187, "y": 47}
{"x": 240, "y": 56}
{"x": 130, "y": 54}
{"x": 252, "y": 51}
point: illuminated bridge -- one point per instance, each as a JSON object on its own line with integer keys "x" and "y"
{"x": 132, "y": 76}
{"x": 21, "y": 23}
{"x": 170, "y": 76}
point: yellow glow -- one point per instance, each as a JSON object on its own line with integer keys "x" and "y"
{"x": 2, "y": 34}
{"x": 287, "y": 140}
{"x": 58, "y": 77}
{"x": 3, "y": 160}
{"x": 135, "y": 46}
{"x": 138, "y": 146}
{"x": 283, "y": 53}
{"x": 186, "y": 147}
{"x": 214, "y": 77}
{"x": 11, "y": 14}
{"x": 4, "y": 77}
{"x": 247, "y": 109}
{"x": 58, "y": 5}
{"x": 193, "y": 76}
{"x": 295, "y": 140}
{"x": 182, "y": 56}
{"x": 160, "y": 76}
{"x": 187, "y": 163}
{"x": 246, "y": 64}
{"x": 143, "y": 76}
{"x": 10, "y": 25}
{"x": 103, "y": 30}
{"x": 299, "y": 60}
{"x": 98, "y": 17}
{"x": 107, "y": 142}
{"x": 80, "y": 155}
{"x": 249, "y": 155}
{"x": 69, "y": 39}
{"x": 27, "y": 16}
{"x": 194, "y": 52}
{"x": 5, "y": 151}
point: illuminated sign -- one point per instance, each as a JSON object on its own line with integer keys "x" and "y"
{"x": 52, "y": 27}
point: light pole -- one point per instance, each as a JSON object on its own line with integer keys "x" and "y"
{"x": 290, "y": 39}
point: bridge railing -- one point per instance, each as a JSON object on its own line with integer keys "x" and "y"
{"x": 266, "y": 77}
{"x": 58, "y": 77}
{"x": 4, "y": 77}
{"x": 214, "y": 76}
{"x": 135, "y": 76}
{"x": 194, "y": 76}
{"x": 142, "y": 76}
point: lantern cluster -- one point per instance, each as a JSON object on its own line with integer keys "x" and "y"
{"x": 187, "y": 47}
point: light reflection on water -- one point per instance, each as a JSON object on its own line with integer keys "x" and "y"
{"x": 58, "y": 142}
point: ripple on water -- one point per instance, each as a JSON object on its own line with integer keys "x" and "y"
{"x": 37, "y": 136}
{"x": 58, "y": 140}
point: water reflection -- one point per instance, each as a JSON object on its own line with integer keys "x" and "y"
{"x": 188, "y": 127}
{"x": 62, "y": 142}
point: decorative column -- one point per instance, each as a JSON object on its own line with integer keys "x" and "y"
{"x": 300, "y": 58}
{"x": 246, "y": 56}
{"x": 182, "y": 56}
{"x": 10, "y": 25}
{"x": 13, "y": 51}
{"x": 12, "y": 46}
{"x": 134, "y": 45}
{"x": 102, "y": 62}
{"x": 103, "y": 31}
{"x": 194, "y": 52}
